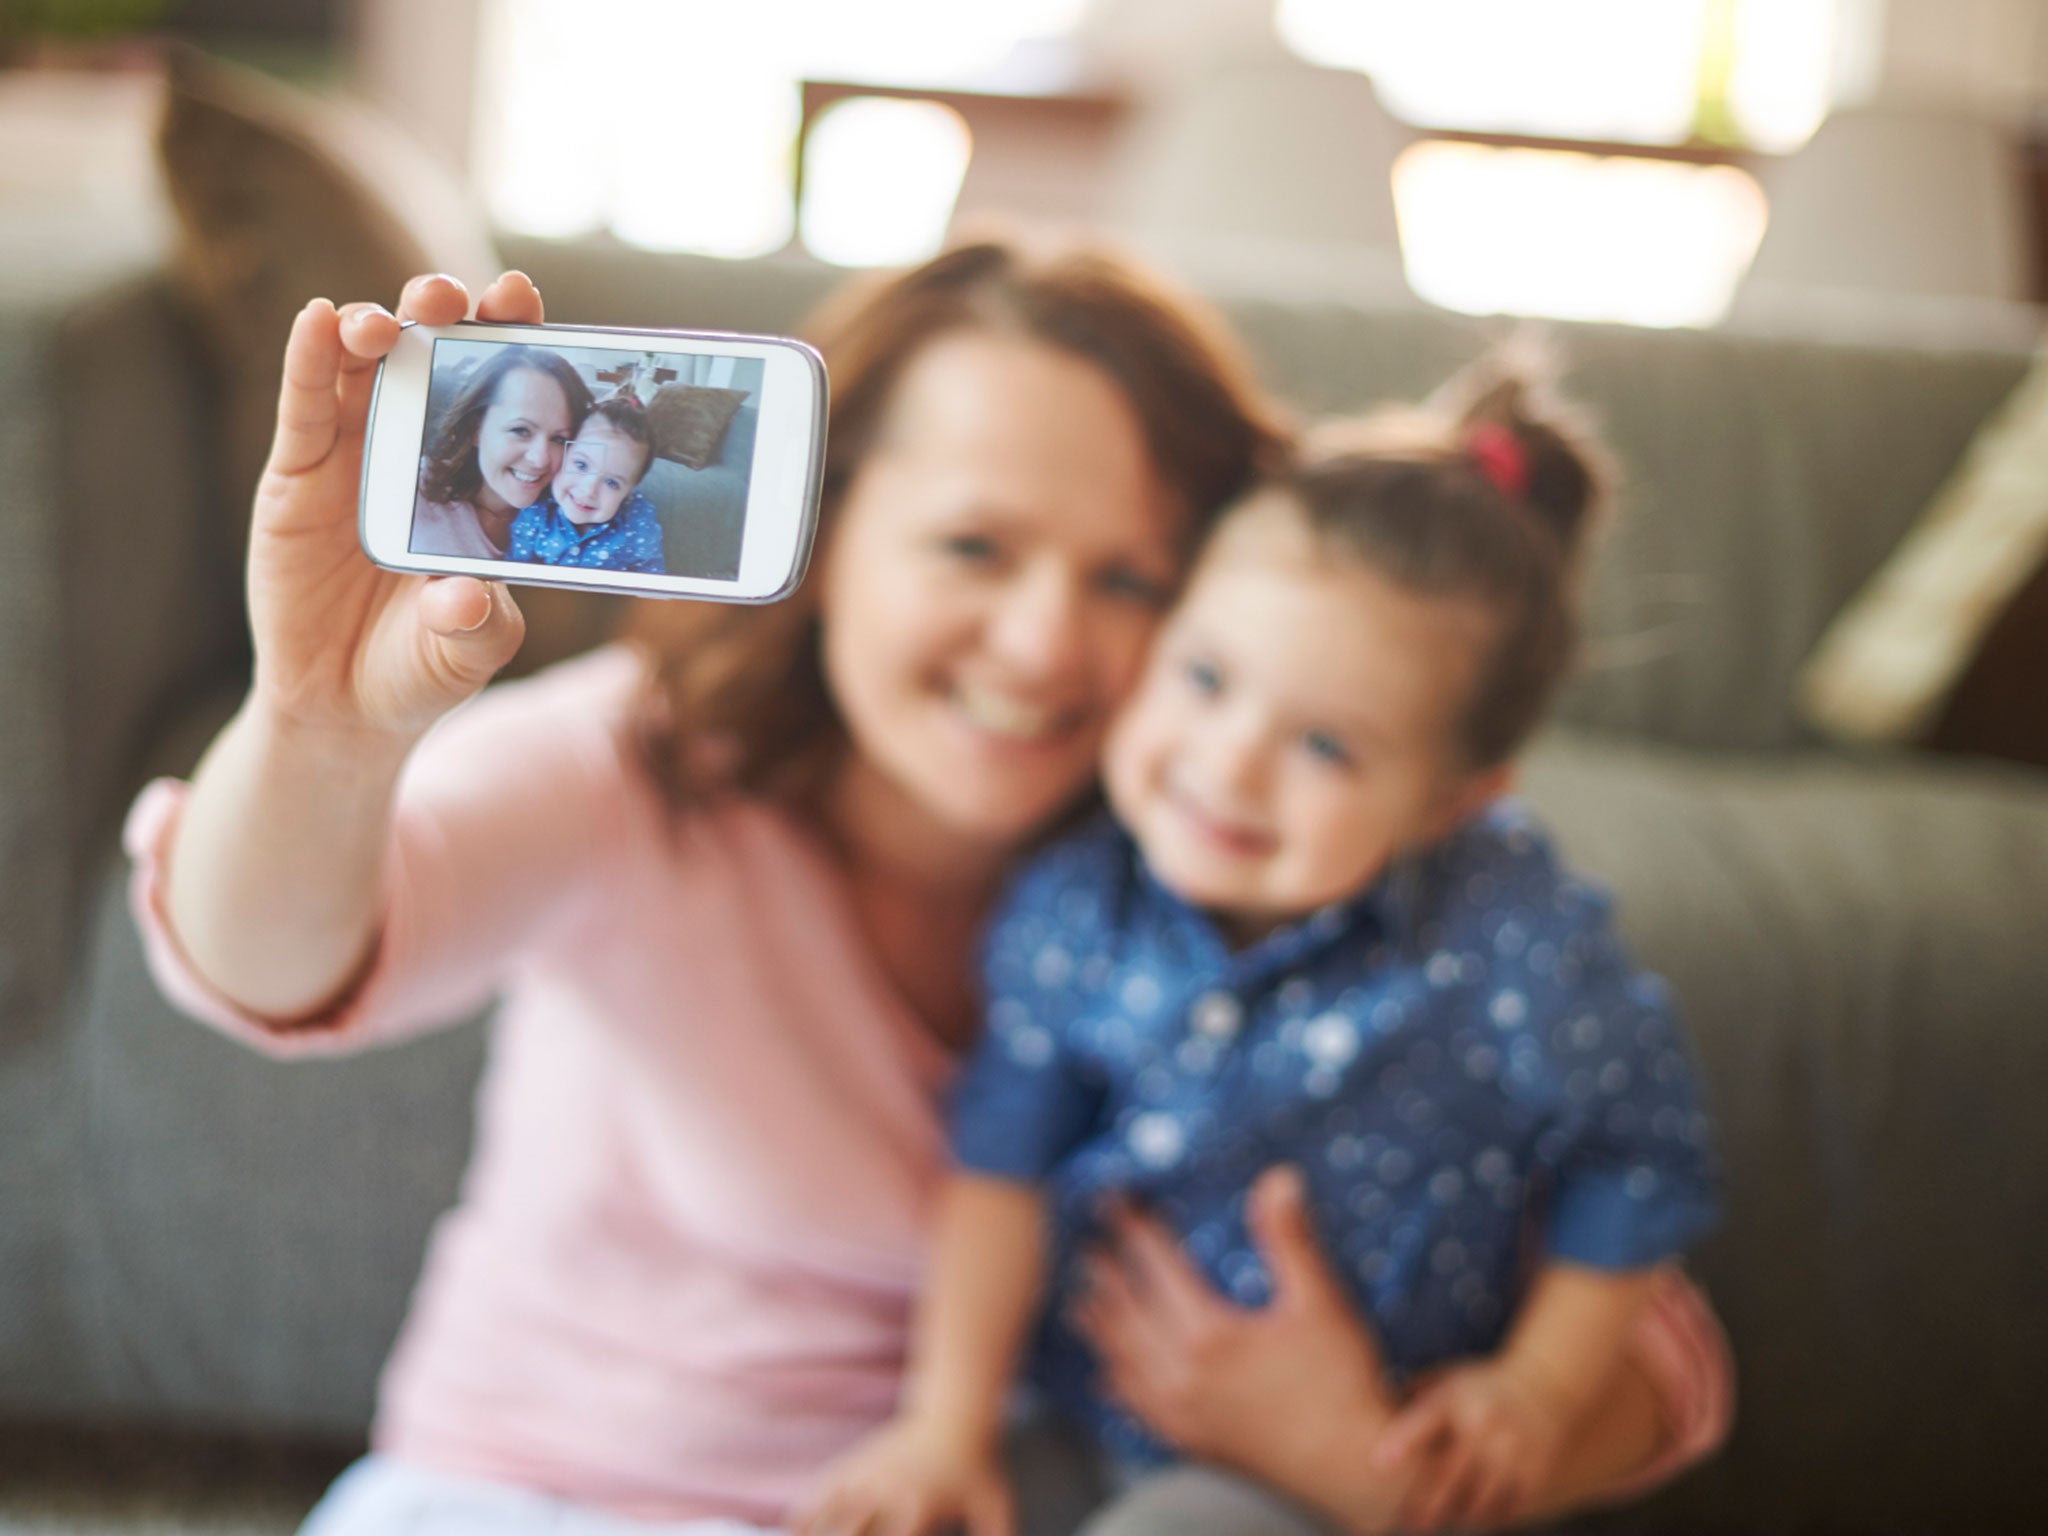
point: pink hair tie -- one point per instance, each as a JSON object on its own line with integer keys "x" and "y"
{"x": 1499, "y": 455}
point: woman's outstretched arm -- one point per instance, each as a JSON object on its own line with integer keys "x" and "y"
{"x": 274, "y": 885}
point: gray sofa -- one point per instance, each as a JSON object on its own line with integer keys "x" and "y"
{"x": 702, "y": 510}
{"x": 204, "y": 1255}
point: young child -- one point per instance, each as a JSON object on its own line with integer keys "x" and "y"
{"x": 594, "y": 514}
{"x": 1314, "y": 934}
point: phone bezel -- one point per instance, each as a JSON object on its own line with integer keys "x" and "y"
{"x": 776, "y": 538}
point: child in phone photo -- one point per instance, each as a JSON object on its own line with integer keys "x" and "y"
{"x": 594, "y": 514}
{"x": 1316, "y": 934}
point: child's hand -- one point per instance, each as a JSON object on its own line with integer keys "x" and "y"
{"x": 340, "y": 644}
{"x": 909, "y": 1478}
{"x": 1479, "y": 1441}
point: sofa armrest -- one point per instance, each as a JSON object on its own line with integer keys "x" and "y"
{"x": 1856, "y": 947}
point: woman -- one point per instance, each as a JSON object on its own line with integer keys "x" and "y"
{"x": 495, "y": 451}
{"x": 729, "y": 884}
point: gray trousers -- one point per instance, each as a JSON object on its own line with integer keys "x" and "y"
{"x": 1064, "y": 1488}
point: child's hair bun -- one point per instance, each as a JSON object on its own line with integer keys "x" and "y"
{"x": 1563, "y": 473}
{"x": 1491, "y": 490}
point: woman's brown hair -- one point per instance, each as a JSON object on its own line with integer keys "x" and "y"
{"x": 451, "y": 472}
{"x": 743, "y": 689}
{"x": 1490, "y": 493}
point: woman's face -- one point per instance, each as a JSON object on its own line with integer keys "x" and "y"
{"x": 999, "y": 564}
{"x": 519, "y": 441}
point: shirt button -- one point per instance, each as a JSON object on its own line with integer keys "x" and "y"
{"x": 1216, "y": 1015}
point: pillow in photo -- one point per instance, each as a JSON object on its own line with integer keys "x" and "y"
{"x": 689, "y": 421}
{"x": 1947, "y": 645}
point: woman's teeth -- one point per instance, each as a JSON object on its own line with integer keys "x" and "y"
{"x": 1001, "y": 716}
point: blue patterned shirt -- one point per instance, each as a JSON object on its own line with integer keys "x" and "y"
{"x": 1461, "y": 1050}
{"x": 629, "y": 540}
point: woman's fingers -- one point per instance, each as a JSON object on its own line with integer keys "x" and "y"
{"x": 476, "y": 624}
{"x": 456, "y": 605}
{"x": 308, "y": 411}
{"x": 1496, "y": 1497}
{"x": 368, "y": 331}
{"x": 1444, "y": 1491}
{"x": 511, "y": 300}
{"x": 434, "y": 299}
{"x": 329, "y": 361}
{"x": 1120, "y": 1374}
{"x": 1424, "y": 1419}
{"x": 1163, "y": 1271}
{"x": 1283, "y": 1230}
{"x": 1139, "y": 1332}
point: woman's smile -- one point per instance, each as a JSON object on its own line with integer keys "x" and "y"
{"x": 1021, "y": 721}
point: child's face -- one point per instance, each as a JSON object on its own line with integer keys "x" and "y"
{"x": 1295, "y": 727}
{"x": 599, "y": 471}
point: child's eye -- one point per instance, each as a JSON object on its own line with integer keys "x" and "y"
{"x": 1324, "y": 747}
{"x": 1204, "y": 677}
{"x": 610, "y": 483}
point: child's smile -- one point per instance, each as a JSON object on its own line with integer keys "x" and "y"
{"x": 1295, "y": 729}
{"x": 599, "y": 471}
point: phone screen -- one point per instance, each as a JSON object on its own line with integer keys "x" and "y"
{"x": 592, "y": 457}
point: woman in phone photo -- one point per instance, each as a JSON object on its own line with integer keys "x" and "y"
{"x": 727, "y": 877}
{"x": 495, "y": 450}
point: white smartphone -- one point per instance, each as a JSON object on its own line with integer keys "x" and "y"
{"x": 653, "y": 463}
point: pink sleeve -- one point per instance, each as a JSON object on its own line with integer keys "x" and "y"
{"x": 506, "y": 810}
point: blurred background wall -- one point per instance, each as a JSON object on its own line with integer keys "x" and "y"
{"x": 1656, "y": 161}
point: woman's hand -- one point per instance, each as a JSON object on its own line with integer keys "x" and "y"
{"x": 910, "y": 1478}
{"x": 1483, "y": 1439}
{"x": 341, "y": 644}
{"x": 1292, "y": 1393}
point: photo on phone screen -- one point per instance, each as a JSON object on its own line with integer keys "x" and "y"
{"x": 595, "y": 458}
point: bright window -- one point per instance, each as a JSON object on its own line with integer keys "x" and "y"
{"x": 673, "y": 123}
{"x": 880, "y": 177}
{"x": 1584, "y": 237}
{"x": 1655, "y": 241}
{"x": 1640, "y": 71}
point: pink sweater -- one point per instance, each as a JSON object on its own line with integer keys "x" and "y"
{"x": 679, "y": 1275}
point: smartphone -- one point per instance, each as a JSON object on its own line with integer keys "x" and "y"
{"x": 652, "y": 463}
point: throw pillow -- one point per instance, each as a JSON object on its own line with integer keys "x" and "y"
{"x": 689, "y": 421}
{"x": 1947, "y": 645}
{"x": 282, "y": 197}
